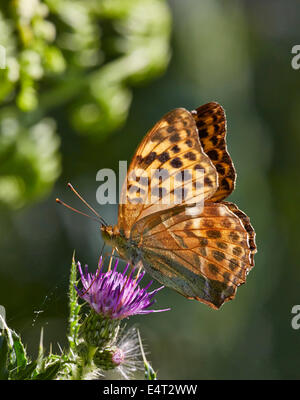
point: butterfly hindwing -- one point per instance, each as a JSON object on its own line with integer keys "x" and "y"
{"x": 204, "y": 257}
{"x": 247, "y": 225}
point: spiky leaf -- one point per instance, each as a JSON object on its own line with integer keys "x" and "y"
{"x": 49, "y": 372}
{"x": 26, "y": 372}
{"x": 3, "y": 358}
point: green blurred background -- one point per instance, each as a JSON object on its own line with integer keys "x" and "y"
{"x": 85, "y": 80}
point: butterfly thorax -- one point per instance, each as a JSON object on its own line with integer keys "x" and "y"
{"x": 117, "y": 239}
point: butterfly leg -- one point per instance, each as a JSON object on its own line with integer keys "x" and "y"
{"x": 138, "y": 273}
{"x": 139, "y": 268}
{"x": 111, "y": 258}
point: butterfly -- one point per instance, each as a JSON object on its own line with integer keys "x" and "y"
{"x": 203, "y": 255}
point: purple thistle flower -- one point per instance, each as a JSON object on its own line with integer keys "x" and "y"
{"x": 116, "y": 295}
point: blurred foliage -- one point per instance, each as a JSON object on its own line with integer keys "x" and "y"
{"x": 81, "y": 55}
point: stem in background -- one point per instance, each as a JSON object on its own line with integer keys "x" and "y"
{"x": 74, "y": 308}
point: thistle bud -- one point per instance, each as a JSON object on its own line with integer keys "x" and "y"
{"x": 109, "y": 358}
{"x": 99, "y": 331}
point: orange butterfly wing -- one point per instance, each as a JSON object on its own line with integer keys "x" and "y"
{"x": 211, "y": 124}
{"x": 171, "y": 145}
{"x": 202, "y": 257}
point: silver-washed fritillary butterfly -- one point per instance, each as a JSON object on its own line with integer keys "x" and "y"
{"x": 203, "y": 257}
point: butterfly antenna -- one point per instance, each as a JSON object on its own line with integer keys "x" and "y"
{"x": 87, "y": 204}
{"x": 77, "y": 211}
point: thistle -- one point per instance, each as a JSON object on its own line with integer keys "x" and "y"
{"x": 115, "y": 295}
{"x": 98, "y": 341}
{"x": 112, "y": 297}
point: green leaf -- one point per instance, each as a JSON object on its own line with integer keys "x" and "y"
{"x": 3, "y": 358}
{"x": 19, "y": 350}
{"x": 26, "y": 372}
{"x": 16, "y": 357}
{"x": 150, "y": 374}
{"x": 50, "y": 372}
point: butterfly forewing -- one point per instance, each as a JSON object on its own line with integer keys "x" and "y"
{"x": 169, "y": 155}
{"x": 211, "y": 124}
